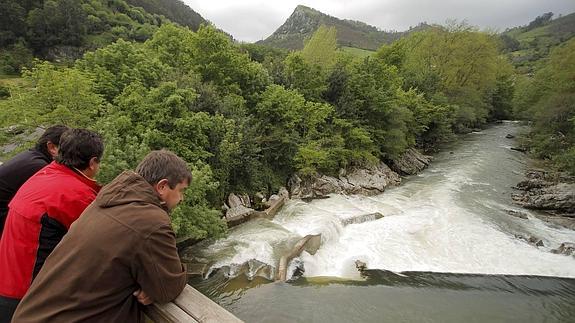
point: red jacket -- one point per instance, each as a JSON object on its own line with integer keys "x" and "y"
{"x": 39, "y": 215}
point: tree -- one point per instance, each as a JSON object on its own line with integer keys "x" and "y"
{"x": 12, "y": 22}
{"x": 116, "y": 66}
{"x": 60, "y": 96}
{"x": 58, "y": 22}
{"x": 553, "y": 110}
{"x": 304, "y": 77}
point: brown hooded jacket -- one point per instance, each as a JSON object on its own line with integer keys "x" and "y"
{"x": 121, "y": 243}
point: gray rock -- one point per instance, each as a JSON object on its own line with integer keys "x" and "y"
{"x": 566, "y": 248}
{"x": 517, "y": 214}
{"x": 283, "y": 192}
{"x": 367, "y": 181}
{"x": 239, "y": 211}
{"x": 411, "y": 162}
{"x": 509, "y": 136}
{"x": 560, "y": 197}
{"x": 534, "y": 241}
{"x": 234, "y": 200}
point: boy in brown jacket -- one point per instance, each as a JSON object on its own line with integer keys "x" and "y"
{"x": 119, "y": 254}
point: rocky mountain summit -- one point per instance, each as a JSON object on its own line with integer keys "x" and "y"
{"x": 304, "y": 21}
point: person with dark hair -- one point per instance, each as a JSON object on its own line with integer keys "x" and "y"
{"x": 17, "y": 170}
{"x": 120, "y": 254}
{"x": 43, "y": 210}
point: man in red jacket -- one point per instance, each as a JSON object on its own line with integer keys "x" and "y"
{"x": 42, "y": 211}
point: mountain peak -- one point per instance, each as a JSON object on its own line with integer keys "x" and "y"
{"x": 304, "y": 21}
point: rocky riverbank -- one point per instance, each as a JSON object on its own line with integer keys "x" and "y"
{"x": 365, "y": 181}
{"x": 550, "y": 193}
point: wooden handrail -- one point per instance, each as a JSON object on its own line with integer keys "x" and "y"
{"x": 190, "y": 306}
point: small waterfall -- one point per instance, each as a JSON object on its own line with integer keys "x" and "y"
{"x": 450, "y": 218}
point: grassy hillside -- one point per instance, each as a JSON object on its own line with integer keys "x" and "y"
{"x": 357, "y": 51}
{"x": 527, "y": 45}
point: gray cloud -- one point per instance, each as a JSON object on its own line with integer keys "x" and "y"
{"x": 252, "y": 20}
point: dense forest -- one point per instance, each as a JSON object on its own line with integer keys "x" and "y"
{"x": 247, "y": 117}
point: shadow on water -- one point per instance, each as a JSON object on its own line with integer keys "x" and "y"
{"x": 384, "y": 296}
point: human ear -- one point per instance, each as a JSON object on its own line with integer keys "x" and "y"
{"x": 161, "y": 187}
{"x": 52, "y": 149}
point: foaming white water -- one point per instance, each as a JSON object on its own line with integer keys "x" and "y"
{"x": 450, "y": 218}
{"x": 434, "y": 235}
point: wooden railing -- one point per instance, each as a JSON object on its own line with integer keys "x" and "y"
{"x": 190, "y": 306}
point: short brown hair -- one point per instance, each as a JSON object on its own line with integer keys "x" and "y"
{"x": 164, "y": 164}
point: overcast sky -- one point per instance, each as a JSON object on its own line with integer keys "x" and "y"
{"x": 252, "y": 20}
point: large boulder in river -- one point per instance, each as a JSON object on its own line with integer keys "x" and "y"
{"x": 368, "y": 181}
{"x": 411, "y": 162}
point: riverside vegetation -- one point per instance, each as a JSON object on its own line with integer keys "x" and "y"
{"x": 246, "y": 117}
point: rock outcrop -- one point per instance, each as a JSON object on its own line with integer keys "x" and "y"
{"x": 540, "y": 192}
{"x": 411, "y": 162}
{"x": 366, "y": 181}
{"x": 552, "y": 193}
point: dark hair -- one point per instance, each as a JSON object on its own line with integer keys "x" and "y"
{"x": 78, "y": 146}
{"x": 164, "y": 164}
{"x": 52, "y": 135}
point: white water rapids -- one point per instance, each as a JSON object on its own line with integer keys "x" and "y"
{"x": 450, "y": 218}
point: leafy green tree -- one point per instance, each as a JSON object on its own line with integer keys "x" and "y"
{"x": 14, "y": 57}
{"x": 370, "y": 99}
{"x": 217, "y": 60}
{"x": 58, "y": 22}
{"x": 502, "y": 96}
{"x": 116, "y": 66}
{"x": 12, "y": 22}
{"x": 306, "y": 78}
{"x": 550, "y": 101}
{"x": 59, "y": 96}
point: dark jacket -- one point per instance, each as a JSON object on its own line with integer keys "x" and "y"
{"x": 122, "y": 242}
{"x": 14, "y": 173}
{"x": 39, "y": 215}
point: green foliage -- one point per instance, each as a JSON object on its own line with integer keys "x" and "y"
{"x": 456, "y": 66}
{"x": 14, "y": 57}
{"x": 549, "y": 100}
{"x": 194, "y": 217}
{"x": 308, "y": 79}
{"x": 218, "y": 61}
{"x": 59, "y": 96}
{"x": 116, "y": 66}
{"x": 502, "y": 96}
{"x": 59, "y": 22}
{"x": 529, "y": 45}
{"x": 12, "y": 22}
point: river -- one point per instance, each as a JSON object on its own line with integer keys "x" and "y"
{"x": 446, "y": 250}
